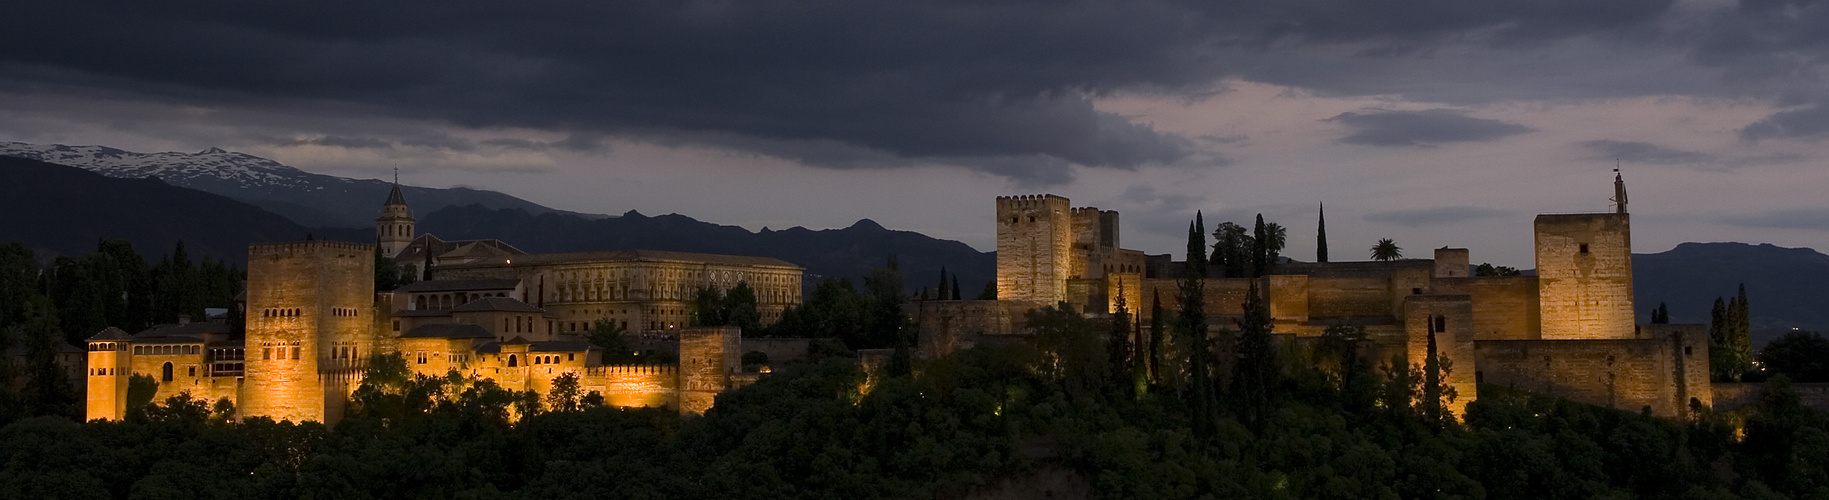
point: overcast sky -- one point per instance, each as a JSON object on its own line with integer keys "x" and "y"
{"x": 1432, "y": 122}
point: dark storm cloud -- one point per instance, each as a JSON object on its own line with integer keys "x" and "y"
{"x": 1644, "y": 152}
{"x": 1422, "y": 128}
{"x": 1007, "y": 82}
{"x": 1435, "y": 216}
{"x": 1809, "y": 122}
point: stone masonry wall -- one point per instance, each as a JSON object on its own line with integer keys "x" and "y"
{"x": 1504, "y": 308}
{"x": 1626, "y": 374}
{"x": 1584, "y": 273}
{"x": 303, "y": 299}
{"x": 1034, "y": 239}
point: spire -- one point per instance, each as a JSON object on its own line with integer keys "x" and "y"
{"x": 394, "y": 197}
{"x": 1619, "y": 190}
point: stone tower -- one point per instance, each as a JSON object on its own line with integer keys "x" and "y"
{"x": 394, "y": 228}
{"x": 1584, "y": 273}
{"x": 310, "y": 322}
{"x": 110, "y": 363}
{"x": 1034, "y": 241}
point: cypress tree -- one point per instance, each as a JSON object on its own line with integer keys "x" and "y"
{"x": 1193, "y": 329}
{"x": 1260, "y": 249}
{"x": 1156, "y": 325}
{"x": 1117, "y": 345}
{"x": 941, "y": 292}
{"x": 955, "y": 293}
{"x": 1321, "y": 236}
{"x": 1256, "y": 369}
{"x": 1742, "y": 331}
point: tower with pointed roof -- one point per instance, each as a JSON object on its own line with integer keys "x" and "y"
{"x": 394, "y": 228}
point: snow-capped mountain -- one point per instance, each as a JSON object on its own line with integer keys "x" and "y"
{"x": 306, "y": 198}
{"x": 208, "y": 167}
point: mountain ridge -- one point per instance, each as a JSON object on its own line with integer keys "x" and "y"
{"x": 310, "y": 199}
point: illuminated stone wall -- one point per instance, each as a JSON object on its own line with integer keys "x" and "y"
{"x": 708, "y": 356}
{"x": 635, "y": 385}
{"x": 947, "y": 326}
{"x": 309, "y": 317}
{"x": 1450, "y": 319}
{"x": 1662, "y": 371}
{"x": 1584, "y": 273}
{"x": 1034, "y": 239}
{"x": 107, "y": 385}
{"x": 1452, "y": 263}
{"x": 1504, "y": 308}
{"x": 647, "y": 294}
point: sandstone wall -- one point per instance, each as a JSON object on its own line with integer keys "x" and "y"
{"x": 305, "y": 300}
{"x": 1734, "y": 396}
{"x": 1584, "y": 272}
{"x": 1449, "y": 319}
{"x": 1627, "y": 374}
{"x": 948, "y": 326}
{"x": 1034, "y": 239}
{"x": 1504, "y": 308}
{"x": 708, "y": 356}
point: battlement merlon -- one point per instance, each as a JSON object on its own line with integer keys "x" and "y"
{"x": 268, "y": 249}
{"x": 1033, "y": 201}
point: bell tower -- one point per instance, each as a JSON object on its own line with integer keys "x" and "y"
{"x": 394, "y": 228}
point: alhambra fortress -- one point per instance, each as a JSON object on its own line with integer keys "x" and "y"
{"x": 313, "y": 317}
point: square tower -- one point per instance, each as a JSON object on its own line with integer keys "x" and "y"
{"x": 310, "y": 322}
{"x": 1584, "y": 275}
{"x": 1034, "y": 242}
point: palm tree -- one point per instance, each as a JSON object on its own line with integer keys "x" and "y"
{"x": 1274, "y": 237}
{"x": 1386, "y": 250}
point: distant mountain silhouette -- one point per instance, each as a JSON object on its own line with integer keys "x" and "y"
{"x": 307, "y": 198}
{"x": 59, "y": 210}
{"x": 847, "y": 253}
{"x": 1786, "y": 287}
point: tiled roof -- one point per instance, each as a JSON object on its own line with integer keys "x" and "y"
{"x": 560, "y": 346}
{"x": 641, "y": 255}
{"x": 394, "y": 197}
{"x": 110, "y": 333}
{"x": 460, "y": 285}
{"x": 487, "y": 304}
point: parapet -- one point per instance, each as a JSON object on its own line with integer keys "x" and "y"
{"x": 270, "y": 249}
{"x": 1031, "y": 201}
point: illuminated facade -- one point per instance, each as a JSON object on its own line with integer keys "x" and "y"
{"x": 1567, "y": 331}
{"x": 314, "y": 319}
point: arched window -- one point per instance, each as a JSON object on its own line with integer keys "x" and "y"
{"x": 165, "y": 373}
{"x": 511, "y": 361}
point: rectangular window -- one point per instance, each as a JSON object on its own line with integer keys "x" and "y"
{"x": 266, "y": 353}
{"x": 1441, "y": 324}
{"x": 1584, "y": 248}
{"x": 295, "y": 353}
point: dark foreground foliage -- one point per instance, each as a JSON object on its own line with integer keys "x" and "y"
{"x": 960, "y": 425}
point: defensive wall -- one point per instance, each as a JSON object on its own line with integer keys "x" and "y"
{"x": 1664, "y": 370}
{"x": 1034, "y": 236}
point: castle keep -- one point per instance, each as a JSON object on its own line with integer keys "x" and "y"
{"x": 1567, "y": 331}
{"x": 314, "y": 319}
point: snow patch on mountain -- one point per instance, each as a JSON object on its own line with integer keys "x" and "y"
{"x": 210, "y": 166}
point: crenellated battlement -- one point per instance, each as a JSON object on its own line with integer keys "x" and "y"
{"x": 606, "y": 370}
{"x": 270, "y": 249}
{"x": 1031, "y": 201}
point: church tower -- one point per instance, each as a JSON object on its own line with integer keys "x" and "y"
{"x": 394, "y": 228}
